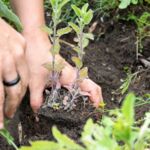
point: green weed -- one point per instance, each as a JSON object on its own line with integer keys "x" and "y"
{"x": 116, "y": 132}
{"x": 7, "y": 13}
{"x": 143, "y": 28}
{"x": 68, "y": 15}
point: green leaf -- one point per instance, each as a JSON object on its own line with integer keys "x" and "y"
{"x": 63, "y": 31}
{"x": 88, "y": 17}
{"x": 85, "y": 7}
{"x": 77, "y": 62}
{"x": 10, "y": 140}
{"x": 56, "y": 47}
{"x": 47, "y": 29}
{"x": 77, "y": 49}
{"x": 48, "y": 66}
{"x": 41, "y": 145}
{"x": 85, "y": 42}
{"x": 134, "y": 1}
{"x": 52, "y": 2}
{"x": 148, "y": 1}
{"x": 127, "y": 108}
{"x": 76, "y": 10}
{"x": 8, "y": 14}
{"x": 64, "y": 141}
{"x": 89, "y": 36}
{"x": 83, "y": 73}
{"x": 59, "y": 66}
{"x": 63, "y": 3}
{"x": 75, "y": 27}
{"x": 124, "y": 4}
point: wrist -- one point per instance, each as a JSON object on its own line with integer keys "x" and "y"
{"x": 36, "y": 34}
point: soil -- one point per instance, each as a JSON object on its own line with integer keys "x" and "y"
{"x": 106, "y": 59}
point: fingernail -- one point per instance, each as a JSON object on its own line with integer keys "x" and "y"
{"x": 1, "y": 126}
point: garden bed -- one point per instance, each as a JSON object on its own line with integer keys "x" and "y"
{"x": 106, "y": 58}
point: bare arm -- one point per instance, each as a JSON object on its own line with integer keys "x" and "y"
{"x": 30, "y": 12}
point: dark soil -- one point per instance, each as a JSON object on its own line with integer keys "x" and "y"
{"x": 106, "y": 58}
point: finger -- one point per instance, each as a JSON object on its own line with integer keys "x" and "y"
{"x": 93, "y": 90}
{"x": 36, "y": 86}
{"x": 13, "y": 93}
{"x": 1, "y": 104}
{"x": 68, "y": 77}
{"x": 22, "y": 69}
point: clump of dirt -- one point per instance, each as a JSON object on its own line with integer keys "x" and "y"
{"x": 106, "y": 58}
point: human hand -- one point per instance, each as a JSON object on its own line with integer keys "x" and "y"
{"x": 37, "y": 54}
{"x": 87, "y": 86}
{"x": 12, "y": 64}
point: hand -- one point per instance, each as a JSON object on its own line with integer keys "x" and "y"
{"x": 12, "y": 64}
{"x": 87, "y": 86}
{"x": 38, "y": 53}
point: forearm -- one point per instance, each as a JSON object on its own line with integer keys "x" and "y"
{"x": 30, "y": 12}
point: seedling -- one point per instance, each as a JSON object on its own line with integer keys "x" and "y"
{"x": 84, "y": 17}
{"x": 55, "y": 67}
{"x": 68, "y": 15}
{"x": 143, "y": 29}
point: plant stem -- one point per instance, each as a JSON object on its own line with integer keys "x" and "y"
{"x": 14, "y": 145}
{"x": 53, "y": 54}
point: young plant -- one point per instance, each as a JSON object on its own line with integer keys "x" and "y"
{"x": 143, "y": 29}
{"x": 118, "y": 131}
{"x": 68, "y": 15}
{"x": 55, "y": 67}
{"x": 84, "y": 17}
{"x": 104, "y": 7}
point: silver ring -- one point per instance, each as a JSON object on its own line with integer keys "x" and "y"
{"x": 13, "y": 82}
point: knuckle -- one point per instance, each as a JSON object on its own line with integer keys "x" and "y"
{"x": 19, "y": 53}
{"x": 22, "y": 41}
{"x": 8, "y": 61}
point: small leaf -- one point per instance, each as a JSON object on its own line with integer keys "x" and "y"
{"x": 56, "y": 47}
{"x": 89, "y": 36}
{"x": 63, "y": 31}
{"x": 48, "y": 66}
{"x": 85, "y": 42}
{"x": 47, "y": 29}
{"x": 52, "y": 2}
{"x": 85, "y": 7}
{"x": 88, "y": 17}
{"x": 63, "y": 3}
{"x": 76, "y": 49}
{"x": 76, "y": 10}
{"x": 102, "y": 104}
{"x": 83, "y": 73}
{"x": 77, "y": 62}
{"x": 59, "y": 66}
{"x": 134, "y": 1}
{"x": 128, "y": 108}
{"x": 124, "y": 4}
{"x": 75, "y": 27}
